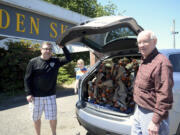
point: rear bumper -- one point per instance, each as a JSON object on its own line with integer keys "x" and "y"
{"x": 102, "y": 125}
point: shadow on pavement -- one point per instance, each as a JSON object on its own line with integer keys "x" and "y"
{"x": 13, "y": 102}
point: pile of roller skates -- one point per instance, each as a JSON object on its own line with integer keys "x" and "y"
{"x": 112, "y": 86}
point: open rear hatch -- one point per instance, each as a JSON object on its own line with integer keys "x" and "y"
{"x": 108, "y": 87}
{"x": 104, "y": 34}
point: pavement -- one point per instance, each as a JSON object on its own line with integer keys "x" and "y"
{"x": 15, "y": 116}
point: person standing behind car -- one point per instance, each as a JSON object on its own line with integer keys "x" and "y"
{"x": 152, "y": 89}
{"x": 40, "y": 85}
{"x": 80, "y": 71}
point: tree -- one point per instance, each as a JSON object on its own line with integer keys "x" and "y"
{"x": 88, "y": 8}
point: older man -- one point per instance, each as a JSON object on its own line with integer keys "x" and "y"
{"x": 40, "y": 85}
{"x": 152, "y": 89}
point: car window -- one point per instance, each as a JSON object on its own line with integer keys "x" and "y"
{"x": 119, "y": 33}
{"x": 175, "y": 60}
{"x": 96, "y": 38}
{"x": 103, "y": 39}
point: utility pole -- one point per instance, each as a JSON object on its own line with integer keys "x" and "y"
{"x": 174, "y": 34}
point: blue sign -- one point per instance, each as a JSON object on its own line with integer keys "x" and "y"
{"x": 15, "y": 22}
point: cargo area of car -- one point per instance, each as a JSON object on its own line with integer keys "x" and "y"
{"x": 110, "y": 86}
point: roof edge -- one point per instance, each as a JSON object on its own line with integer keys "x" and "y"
{"x": 47, "y": 9}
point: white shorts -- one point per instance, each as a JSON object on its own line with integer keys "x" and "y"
{"x": 46, "y": 104}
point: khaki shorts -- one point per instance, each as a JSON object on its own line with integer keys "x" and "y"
{"x": 46, "y": 104}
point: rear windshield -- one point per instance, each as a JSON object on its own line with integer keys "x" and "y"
{"x": 100, "y": 40}
{"x": 175, "y": 60}
{"x": 123, "y": 32}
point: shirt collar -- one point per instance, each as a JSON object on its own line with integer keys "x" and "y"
{"x": 151, "y": 56}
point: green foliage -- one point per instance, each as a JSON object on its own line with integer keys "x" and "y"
{"x": 86, "y": 7}
{"x": 13, "y": 64}
{"x": 82, "y": 55}
{"x": 64, "y": 76}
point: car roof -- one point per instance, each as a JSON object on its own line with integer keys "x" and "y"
{"x": 168, "y": 52}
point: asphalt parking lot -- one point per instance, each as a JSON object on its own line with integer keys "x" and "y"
{"x": 15, "y": 116}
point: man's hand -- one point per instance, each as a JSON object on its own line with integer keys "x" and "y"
{"x": 153, "y": 128}
{"x": 30, "y": 98}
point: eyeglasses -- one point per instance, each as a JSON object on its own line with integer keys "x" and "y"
{"x": 143, "y": 42}
{"x": 47, "y": 49}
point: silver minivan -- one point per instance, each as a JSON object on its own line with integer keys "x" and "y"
{"x": 105, "y": 105}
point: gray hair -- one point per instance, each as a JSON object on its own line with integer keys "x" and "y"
{"x": 149, "y": 32}
{"x": 47, "y": 43}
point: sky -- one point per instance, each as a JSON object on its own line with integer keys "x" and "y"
{"x": 155, "y": 15}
